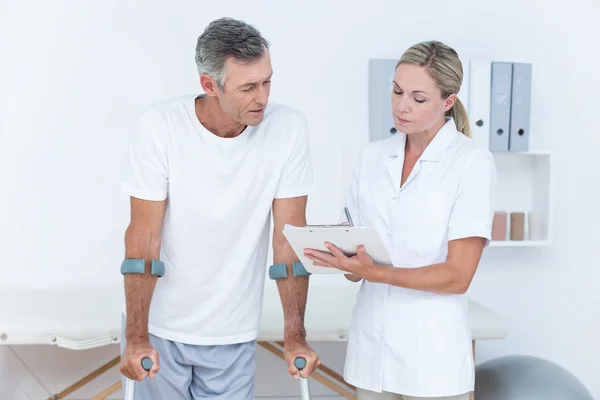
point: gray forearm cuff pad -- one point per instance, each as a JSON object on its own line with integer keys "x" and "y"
{"x": 138, "y": 266}
{"x": 279, "y": 271}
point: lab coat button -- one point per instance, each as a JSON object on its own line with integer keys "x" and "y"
{"x": 389, "y": 233}
{"x": 382, "y": 335}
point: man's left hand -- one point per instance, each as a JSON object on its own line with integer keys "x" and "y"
{"x": 297, "y": 347}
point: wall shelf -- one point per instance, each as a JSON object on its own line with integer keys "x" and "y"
{"x": 525, "y": 185}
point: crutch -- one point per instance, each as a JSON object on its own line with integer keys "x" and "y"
{"x": 300, "y": 363}
{"x": 279, "y": 271}
{"x": 130, "y": 384}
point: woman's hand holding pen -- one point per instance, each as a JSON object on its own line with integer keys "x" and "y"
{"x": 360, "y": 265}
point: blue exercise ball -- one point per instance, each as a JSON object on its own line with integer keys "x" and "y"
{"x": 526, "y": 378}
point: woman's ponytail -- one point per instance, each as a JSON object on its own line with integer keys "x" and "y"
{"x": 461, "y": 118}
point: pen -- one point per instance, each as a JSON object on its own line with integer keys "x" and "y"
{"x": 348, "y": 217}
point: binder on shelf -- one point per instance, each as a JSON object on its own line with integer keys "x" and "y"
{"x": 500, "y": 107}
{"x": 480, "y": 76}
{"x": 381, "y": 120}
{"x": 520, "y": 107}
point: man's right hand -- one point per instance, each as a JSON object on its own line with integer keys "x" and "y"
{"x": 131, "y": 360}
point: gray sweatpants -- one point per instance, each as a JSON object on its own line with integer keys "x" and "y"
{"x": 191, "y": 372}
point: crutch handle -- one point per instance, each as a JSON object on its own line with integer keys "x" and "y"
{"x": 130, "y": 384}
{"x": 147, "y": 363}
{"x": 300, "y": 363}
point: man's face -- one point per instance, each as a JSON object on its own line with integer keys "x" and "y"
{"x": 246, "y": 90}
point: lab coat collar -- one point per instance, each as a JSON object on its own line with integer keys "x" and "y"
{"x": 433, "y": 152}
{"x": 435, "y": 149}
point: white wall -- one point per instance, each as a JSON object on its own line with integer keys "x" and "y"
{"x": 76, "y": 74}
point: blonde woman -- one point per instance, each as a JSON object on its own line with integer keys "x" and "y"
{"x": 429, "y": 192}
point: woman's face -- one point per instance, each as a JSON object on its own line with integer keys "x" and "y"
{"x": 417, "y": 103}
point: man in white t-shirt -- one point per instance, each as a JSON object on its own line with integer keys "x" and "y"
{"x": 205, "y": 174}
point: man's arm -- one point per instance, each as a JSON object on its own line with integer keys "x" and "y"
{"x": 142, "y": 240}
{"x": 293, "y": 290}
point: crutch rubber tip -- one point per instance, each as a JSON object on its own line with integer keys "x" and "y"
{"x": 300, "y": 363}
{"x": 146, "y": 363}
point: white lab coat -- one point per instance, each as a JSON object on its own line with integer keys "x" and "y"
{"x": 406, "y": 341}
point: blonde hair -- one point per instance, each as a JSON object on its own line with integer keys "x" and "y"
{"x": 444, "y": 66}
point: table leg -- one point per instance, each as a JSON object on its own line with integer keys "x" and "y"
{"x": 472, "y": 394}
{"x": 115, "y": 387}
{"x": 84, "y": 381}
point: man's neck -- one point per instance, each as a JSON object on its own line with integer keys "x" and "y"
{"x": 211, "y": 116}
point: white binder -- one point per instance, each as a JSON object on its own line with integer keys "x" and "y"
{"x": 480, "y": 78}
{"x": 346, "y": 238}
{"x": 381, "y": 119}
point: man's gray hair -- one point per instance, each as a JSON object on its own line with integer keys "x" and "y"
{"x": 225, "y": 38}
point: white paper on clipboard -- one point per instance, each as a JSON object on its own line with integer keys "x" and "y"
{"x": 344, "y": 237}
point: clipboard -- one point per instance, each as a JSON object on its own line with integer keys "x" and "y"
{"x": 345, "y": 237}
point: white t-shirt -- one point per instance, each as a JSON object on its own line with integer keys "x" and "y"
{"x": 216, "y": 229}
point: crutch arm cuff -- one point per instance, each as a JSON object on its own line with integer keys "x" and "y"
{"x": 279, "y": 271}
{"x": 299, "y": 270}
{"x": 138, "y": 266}
{"x": 157, "y": 268}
